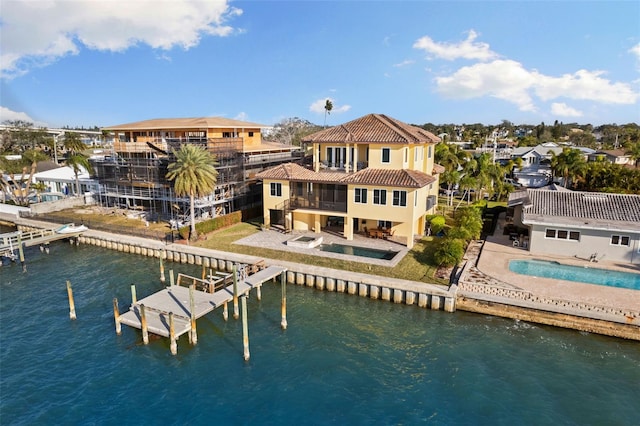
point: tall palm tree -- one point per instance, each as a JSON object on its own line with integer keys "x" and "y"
{"x": 73, "y": 143}
{"x": 78, "y": 162}
{"x": 195, "y": 175}
{"x": 328, "y": 106}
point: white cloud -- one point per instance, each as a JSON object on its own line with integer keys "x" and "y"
{"x": 467, "y": 49}
{"x": 318, "y": 106}
{"x": 510, "y": 81}
{"x": 242, "y": 116}
{"x": 404, "y": 63}
{"x": 36, "y": 33}
{"x": 503, "y": 79}
{"x": 563, "y": 110}
{"x": 585, "y": 85}
{"x": 635, "y": 50}
{"x": 8, "y": 115}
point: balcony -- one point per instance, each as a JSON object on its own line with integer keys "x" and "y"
{"x": 315, "y": 204}
{"x": 342, "y": 167}
{"x": 140, "y": 146}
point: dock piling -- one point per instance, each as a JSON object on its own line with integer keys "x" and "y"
{"x": 134, "y": 298}
{"x": 171, "y": 279}
{"x": 245, "y": 329}
{"x": 192, "y": 308}
{"x": 172, "y": 336}
{"x": 162, "y": 278}
{"x": 21, "y": 253}
{"x": 225, "y": 311}
{"x": 143, "y": 325}
{"x": 116, "y": 316}
{"x": 236, "y": 314}
{"x": 72, "y": 306}
{"x": 283, "y": 284}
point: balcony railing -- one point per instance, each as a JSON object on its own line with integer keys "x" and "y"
{"x": 341, "y": 166}
{"x": 315, "y": 204}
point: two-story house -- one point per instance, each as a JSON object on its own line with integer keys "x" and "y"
{"x": 372, "y": 173}
{"x": 133, "y": 175}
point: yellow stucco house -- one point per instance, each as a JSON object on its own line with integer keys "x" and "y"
{"x": 374, "y": 175}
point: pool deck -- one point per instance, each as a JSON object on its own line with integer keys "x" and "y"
{"x": 489, "y": 266}
{"x": 278, "y": 241}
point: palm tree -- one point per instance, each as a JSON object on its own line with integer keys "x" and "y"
{"x": 570, "y": 164}
{"x": 194, "y": 174}
{"x": 73, "y": 143}
{"x": 328, "y": 106}
{"x": 78, "y": 162}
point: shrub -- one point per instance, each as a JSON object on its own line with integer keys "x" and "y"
{"x": 437, "y": 224}
{"x": 214, "y": 224}
{"x": 449, "y": 252}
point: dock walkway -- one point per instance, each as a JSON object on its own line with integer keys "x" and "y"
{"x": 15, "y": 240}
{"x": 176, "y": 301}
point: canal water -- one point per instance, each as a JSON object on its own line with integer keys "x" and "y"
{"x": 343, "y": 360}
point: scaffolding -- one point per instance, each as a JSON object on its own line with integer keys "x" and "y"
{"x": 133, "y": 177}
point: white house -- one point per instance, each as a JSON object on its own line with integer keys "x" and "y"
{"x": 588, "y": 225}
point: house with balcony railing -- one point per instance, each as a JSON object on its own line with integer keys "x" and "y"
{"x": 374, "y": 175}
{"x": 133, "y": 175}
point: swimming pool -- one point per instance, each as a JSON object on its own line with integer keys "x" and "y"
{"x": 358, "y": 251}
{"x": 585, "y": 274}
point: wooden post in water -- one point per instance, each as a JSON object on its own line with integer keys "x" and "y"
{"x": 245, "y": 329}
{"x": 116, "y": 316}
{"x": 204, "y": 271}
{"x": 72, "y": 305}
{"x": 21, "y": 252}
{"x": 162, "y": 278}
{"x": 259, "y": 292}
{"x": 236, "y": 314}
{"x": 134, "y": 298}
{"x": 143, "y": 325}
{"x": 173, "y": 345}
{"x": 283, "y": 284}
{"x": 171, "y": 279}
{"x": 193, "y": 334}
{"x": 225, "y": 311}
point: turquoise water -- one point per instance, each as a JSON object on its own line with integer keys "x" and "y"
{"x": 358, "y": 251}
{"x": 544, "y": 269}
{"x": 343, "y": 360}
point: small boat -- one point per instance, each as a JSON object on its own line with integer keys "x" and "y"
{"x": 71, "y": 228}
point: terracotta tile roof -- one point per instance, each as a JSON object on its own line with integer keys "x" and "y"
{"x": 382, "y": 177}
{"x": 385, "y": 177}
{"x": 437, "y": 169}
{"x": 374, "y": 128}
{"x": 292, "y": 171}
{"x": 185, "y": 123}
{"x": 583, "y": 209}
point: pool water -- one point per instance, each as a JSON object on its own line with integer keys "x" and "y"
{"x": 585, "y": 274}
{"x": 359, "y": 251}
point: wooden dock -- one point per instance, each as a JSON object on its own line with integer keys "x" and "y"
{"x": 12, "y": 241}
{"x": 173, "y": 311}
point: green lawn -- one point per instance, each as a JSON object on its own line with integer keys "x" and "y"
{"x": 417, "y": 265}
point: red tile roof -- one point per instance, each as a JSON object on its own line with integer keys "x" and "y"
{"x": 374, "y": 128}
{"x": 382, "y": 177}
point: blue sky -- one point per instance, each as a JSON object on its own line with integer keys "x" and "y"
{"x": 86, "y": 63}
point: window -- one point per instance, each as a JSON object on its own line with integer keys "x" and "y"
{"x": 384, "y": 224}
{"x": 276, "y": 189}
{"x": 619, "y": 240}
{"x": 400, "y": 198}
{"x": 299, "y": 188}
{"x": 406, "y": 155}
{"x": 429, "y": 153}
{"x": 562, "y": 234}
{"x": 361, "y": 195}
{"x": 229, "y": 134}
{"x": 250, "y": 134}
{"x": 386, "y": 155}
{"x": 380, "y": 197}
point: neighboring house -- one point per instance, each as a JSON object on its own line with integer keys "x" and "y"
{"x": 62, "y": 180}
{"x": 587, "y": 225}
{"x": 371, "y": 173}
{"x": 134, "y": 175}
{"x": 615, "y": 156}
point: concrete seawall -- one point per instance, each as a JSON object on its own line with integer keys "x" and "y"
{"x": 423, "y": 295}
